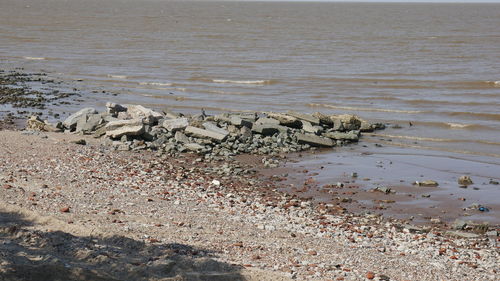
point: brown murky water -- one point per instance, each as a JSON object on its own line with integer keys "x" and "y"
{"x": 434, "y": 65}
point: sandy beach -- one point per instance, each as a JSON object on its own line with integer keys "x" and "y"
{"x": 94, "y": 213}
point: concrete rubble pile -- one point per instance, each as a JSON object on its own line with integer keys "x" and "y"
{"x": 134, "y": 127}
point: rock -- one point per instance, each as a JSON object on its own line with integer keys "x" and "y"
{"x": 494, "y": 182}
{"x": 238, "y": 121}
{"x": 267, "y": 121}
{"x": 193, "y": 146}
{"x": 174, "y": 125}
{"x": 286, "y": 120}
{"x": 427, "y": 183}
{"x": 323, "y": 118}
{"x": 461, "y": 234}
{"x": 80, "y": 142}
{"x": 214, "y": 128}
{"x": 140, "y": 112}
{"x": 245, "y": 133}
{"x": 119, "y": 128}
{"x": 370, "y": 275}
{"x": 458, "y": 224}
{"x": 34, "y": 123}
{"x": 314, "y": 140}
{"x": 383, "y": 189}
{"x": 349, "y": 122}
{"x": 464, "y": 181}
{"x": 88, "y": 124}
{"x": 64, "y": 210}
{"x": 269, "y": 129}
{"x": 100, "y": 132}
{"x": 200, "y": 133}
{"x": 181, "y": 137}
{"x": 350, "y": 136}
{"x": 309, "y": 128}
{"x": 305, "y": 117}
{"x": 113, "y": 108}
{"x": 72, "y": 120}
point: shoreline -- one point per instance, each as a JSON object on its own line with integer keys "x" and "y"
{"x": 164, "y": 201}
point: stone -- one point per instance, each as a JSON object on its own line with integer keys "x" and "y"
{"x": 458, "y": 224}
{"x": 350, "y": 136}
{"x": 323, "y": 118}
{"x": 117, "y": 129}
{"x": 309, "y": 128}
{"x": 72, "y": 120}
{"x": 461, "y": 234}
{"x": 267, "y": 121}
{"x": 174, "y": 125}
{"x": 427, "y": 183}
{"x": 383, "y": 189}
{"x": 214, "y": 128}
{"x": 238, "y": 121}
{"x": 464, "y": 181}
{"x": 201, "y": 133}
{"x": 193, "y": 146}
{"x": 305, "y": 117}
{"x": 80, "y": 142}
{"x": 269, "y": 129}
{"x": 113, "y": 108}
{"x": 99, "y": 132}
{"x": 181, "y": 137}
{"x": 245, "y": 133}
{"x": 140, "y": 112}
{"x": 314, "y": 140}
{"x": 88, "y": 124}
{"x": 286, "y": 120}
{"x": 349, "y": 122}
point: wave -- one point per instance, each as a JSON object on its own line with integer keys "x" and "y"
{"x": 35, "y": 58}
{"x": 450, "y": 125}
{"x": 365, "y": 108}
{"x": 494, "y": 83}
{"x": 415, "y": 138}
{"x": 117, "y": 76}
{"x": 254, "y": 82}
{"x": 155, "y": 84}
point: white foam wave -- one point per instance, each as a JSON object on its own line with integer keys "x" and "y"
{"x": 117, "y": 76}
{"x": 256, "y": 82}
{"x": 494, "y": 83}
{"x": 155, "y": 84}
{"x": 364, "y": 108}
{"x": 34, "y": 58}
{"x": 458, "y": 125}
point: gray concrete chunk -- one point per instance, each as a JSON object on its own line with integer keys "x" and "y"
{"x": 269, "y": 129}
{"x": 214, "y": 128}
{"x": 175, "y": 124}
{"x": 201, "y": 133}
{"x": 314, "y": 140}
{"x": 286, "y": 120}
{"x": 305, "y": 117}
{"x": 72, "y": 120}
{"x": 352, "y": 136}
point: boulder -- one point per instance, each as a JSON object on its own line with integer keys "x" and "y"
{"x": 201, "y": 133}
{"x": 34, "y": 123}
{"x": 117, "y": 129}
{"x": 286, "y": 120}
{"x": 238, "y": 121}
{"x": 309, "y": 128}
{"x": 323, "y": 118}
{"x": 177, "y": 124}
{"x": 72, "y": 120}
{"x": 113, "y": 108}
{"x": 193, "y": 146}
{"x": 245, "y": 133}
{"x": 314, "y": 140}
{"x": 269, "y": 129}
{"x": 350, "y": 136}
{"x": 89, "y": 124}
{"x": 214, "y": 128}
{"x": 139, "y": 111}
{"x": 267, "y": 121}
{"x": 305, "y": 117}
{"x": 181, "y": 137}
{"x": 349, "y": 122}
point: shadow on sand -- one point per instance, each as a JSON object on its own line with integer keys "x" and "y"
{"x": 27, "y": 254}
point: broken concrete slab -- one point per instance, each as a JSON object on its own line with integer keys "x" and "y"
{"x": 214, "y": 128}
{"x": 113, "y": 108}
{"x": 269, "y": 129}
{"x": 351, "y": 136}
{"x": 129, "y": 130}
{"x": 238, "y": 121}
{"x": 201, "y": 133}
{"x": 304, "y": 117}
{"x": 89, "y": 124}
{"x": 286, "y": 120}
{"x": 139, "y": 111}
{"x": 72, "y": 120}
{"x": 193, "y": 146}
{"x": 314, "y": 140}
{"x": 181, "y": 137}
{"x": 267, "y": 121}
{"x": 174, "y": 125}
